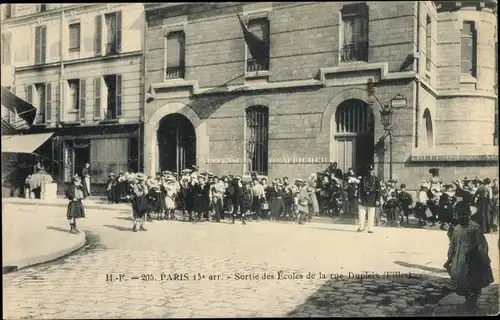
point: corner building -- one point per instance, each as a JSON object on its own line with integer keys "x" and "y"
{"x": 208, "y": 99}
{"x": 81, "y": 66}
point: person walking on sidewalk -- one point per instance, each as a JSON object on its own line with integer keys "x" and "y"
{"x": 75, "y": 194}
{"x": 86, "y": 180}
{"x": 468, "y": 263}
{"x": 368, "y": 199}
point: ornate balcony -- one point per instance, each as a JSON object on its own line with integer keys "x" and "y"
{"x": 175, "y": 72}
{"x": 254, "y": 66}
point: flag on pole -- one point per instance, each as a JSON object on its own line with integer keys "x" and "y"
{"x": 258, "y": 47}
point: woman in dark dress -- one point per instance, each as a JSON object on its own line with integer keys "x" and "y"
{"x": 468, "y": 262}
{"x": 75, "y": 194}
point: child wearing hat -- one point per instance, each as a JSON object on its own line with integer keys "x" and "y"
{"x": 75, "y": 194}
{"x": 139, "y": 201}
{"x": 405, "y": 200}
{"x": 446, "y": 203}
{"x": 110, "y": 188}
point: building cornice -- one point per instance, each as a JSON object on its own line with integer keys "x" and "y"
{"x": 50, "y": 14}
{"x": 457, "y": 5}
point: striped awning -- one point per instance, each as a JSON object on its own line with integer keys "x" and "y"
{"x": 24, "y": 143}
{"x": 21, "y": 107}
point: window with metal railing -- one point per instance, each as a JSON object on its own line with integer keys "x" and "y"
{"x": 254, "y": 66}
{"x": 175, "y": 55}
{"x": 354, "y": 45}
{"x": 257, "y": 121}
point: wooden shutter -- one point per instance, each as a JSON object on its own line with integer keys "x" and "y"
{"x": 37, "y": 45}
{"x": 97, "y": 98}
{"x": 119, "y": 95}
{"x": 98, "y": 36}
{"x": 56, "y": 101}
{"x": 43, "y": 44}
{"x": 118, "y": 31}
{"x": 82, "y": 88}
{"x": 28, "y": 93}
{"x": 48, "y": 102}
{"x": 74, "y": 36}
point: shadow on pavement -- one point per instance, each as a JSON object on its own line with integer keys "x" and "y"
{"x": 383, "y": 296}
{"x": 119, "y": 228}
{"x": 66, "y": 230}
{"x": 418, "y": 266}
{"x": 332, "y": 229}
{"x": 124, "y": 218}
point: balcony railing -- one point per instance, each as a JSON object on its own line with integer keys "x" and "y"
{"x": 175, "y": 72}
{"x": 254, "y": 66}
{"x": 354, "y": 52}
{"x": 111, "y": 48}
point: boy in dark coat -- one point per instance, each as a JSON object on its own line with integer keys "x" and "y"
{"x": 110, "y": 188}
{"x": 446, "y": 203}
{"x": 237, "y": 189}
{"x": 405, "y": 200}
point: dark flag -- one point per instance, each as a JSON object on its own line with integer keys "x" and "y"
{"x": 258, "y": 47}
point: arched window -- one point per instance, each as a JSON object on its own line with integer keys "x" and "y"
{"x": 353, "y": 116}
{"x": 428, "y": 136}
{"x": 257, "y": 127}
{"x": 353, "y": 135}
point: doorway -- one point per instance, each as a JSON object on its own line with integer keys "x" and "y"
{"x": 354, "y": 136}
{"x": 176, "y": 143}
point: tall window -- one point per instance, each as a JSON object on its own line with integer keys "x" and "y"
{"x": 354, "y": 33}
{"x": 257, "y": 118}
{"x": 43, "y": 7}
{"x": 428, "y": 43}
{"x": 7, "y": 10}
{"x": 74, "y": 37}
{"x": 6, "y": 51}
{"x": 468, "y": 49}
{"x": 74, "y": 93}
{"x": 40, "y": 44}
{"x": 108, "y": 96}
{"x": 259, "y": 27}
{"x": 175, "y": 55}
{"x": 39, "y": 100}
{"x": 113, "y": 32}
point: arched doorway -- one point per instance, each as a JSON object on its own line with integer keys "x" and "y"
{"x": 428, "y": 135}
{"x": 353, "y": 133}
{"x": 176, "y": 138}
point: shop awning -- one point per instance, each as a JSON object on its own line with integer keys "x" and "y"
{"x": 27, "y": 143}
{"x": 15, "y": 104}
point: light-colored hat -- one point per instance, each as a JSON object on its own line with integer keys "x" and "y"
{"x": 425, "y": 184}
{"x": 299, "y": 180}
{"x": 141, "y": 176}
{"x": 76, "y": 178}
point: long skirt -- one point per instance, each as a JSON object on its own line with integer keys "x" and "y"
{"x": 169, "y": 203}
{"x": 75, "y": 210}
{"x": 315, "y": 205}
{"x": 161, "y": 201}
{"x": 482, "y": 216}
{"x": 140, "y": 206}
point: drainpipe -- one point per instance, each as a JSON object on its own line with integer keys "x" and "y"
{"x": 142, "y": 139}
{"x": 417, "y": 78}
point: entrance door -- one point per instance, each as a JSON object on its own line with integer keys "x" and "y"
{"x": 176, "y": 143}
{"x": 81, "y": 152}
{"x": 353, "y": 136}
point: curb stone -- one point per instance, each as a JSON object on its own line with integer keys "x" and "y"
{"x": 35, "y": 260}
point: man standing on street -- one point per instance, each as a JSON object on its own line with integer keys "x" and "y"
{"x": 86, "y": 180}
{"x": 368, "y": 199}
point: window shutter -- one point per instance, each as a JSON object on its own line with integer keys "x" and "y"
{"x": 56, "y": 101}
{"x": 82, "y": 92}
{"x": 28, "y": 92}
{"x": 119, "y": 102}
{"x": 48, "y": 102}
{"x": 98, "y": 36}
{"x": 74, "y": 36}
{"x": 97, "y": 98}
{"x": 118, "y": 33}
{"x": 7, "y": 48}
{"x": 37, "y": 45}
{"x": 43, "y": 45}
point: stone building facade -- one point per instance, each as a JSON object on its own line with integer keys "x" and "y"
{"x": 81, "y": 66}
{"x": 211, "y": 105}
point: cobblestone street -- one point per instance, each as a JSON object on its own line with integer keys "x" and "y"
{"x": 196, "y": 270}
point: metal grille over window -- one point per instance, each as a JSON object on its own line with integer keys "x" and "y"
{"x": 355, "y": 33}
{"x": 259, "y": 27}
{"x": 353, "y": 118}
{"x": 175, "y": 55}
{"x": 257, "y": 121}
{"x": 74, "y": 36}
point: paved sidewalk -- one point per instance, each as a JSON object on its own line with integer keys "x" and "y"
{"x": 97, "y": 203}
{"x": 31, "y": 238}
{"x": 488, "y": 303}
